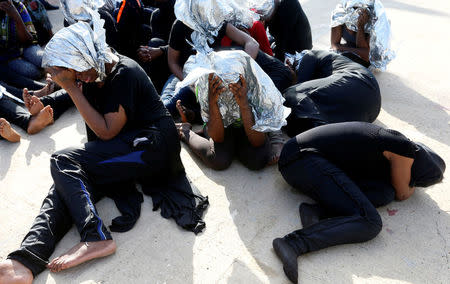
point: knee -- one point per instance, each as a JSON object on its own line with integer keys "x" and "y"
{"x": 256, "y": 163}
{"x": 218, "y": 162}
{"x": 373, "y": 226}
{"x": 59, "y": 159}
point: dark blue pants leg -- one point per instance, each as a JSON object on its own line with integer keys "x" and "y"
{"x": 354, "y": 219}
{"x": 14, "y": 113}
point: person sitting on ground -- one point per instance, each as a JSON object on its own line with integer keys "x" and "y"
{"x": 40, "y": 20}
{"x": 153, "y": 56}
{"x": 17, "y": 33}
{"x": 131, "y": 138}
{"x": 218, "y": 144}
{"x": 349, "y": 169}
{"x": 289, "y": 26}
{"x": 356, "y": 46}
{"x": 42, "y": 108}
{"x": 330, "y": 88}
{"x": 184, "y": 102}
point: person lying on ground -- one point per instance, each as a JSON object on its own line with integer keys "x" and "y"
{"x": 132, "y": 137}
{"x": 356, "y": 46}
{"x": 330, "y": 88}
{"x": 349, "y": 169}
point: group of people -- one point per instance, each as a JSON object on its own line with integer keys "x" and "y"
{"x": 133, "y": 69}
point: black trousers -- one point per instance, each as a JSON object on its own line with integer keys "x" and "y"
{"x": 331, "y": 88}
{"x": 277, "y": 71}
{"x": 219, "y": 156}
{"x": 60, "y": 101}
{"x": 83, "y": 175}
{"x": 348, "y": 204}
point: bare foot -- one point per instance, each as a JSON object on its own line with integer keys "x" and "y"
{"x": 7, "y": 132}
{"x": 26, "y": 98}
{"x": 186, "y": 114}
{"x": 275, "y": 153}
{"x": 82, "y": 252}
{"x": 47, "y": 89}
{"x": 183, "y": 130}
{"x": 36, "y": 105}
{"x": 41, "y": 120}
{"x": 14, "y": 272}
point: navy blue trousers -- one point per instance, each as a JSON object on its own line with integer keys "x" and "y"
{"x": 84, "y": 175}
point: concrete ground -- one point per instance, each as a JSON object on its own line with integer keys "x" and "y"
{"x": 249, "y": 209}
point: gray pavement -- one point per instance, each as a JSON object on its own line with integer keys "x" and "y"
{"x": 249, "y": 209}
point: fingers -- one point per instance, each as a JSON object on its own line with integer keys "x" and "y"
{"x": 243, "y": 82}
{"x": 215, "y": 84}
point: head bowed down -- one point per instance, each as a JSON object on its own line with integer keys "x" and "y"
{"x": 81, "y": 46}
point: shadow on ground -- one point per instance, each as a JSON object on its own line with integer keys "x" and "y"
{"x": 408, "y": 105}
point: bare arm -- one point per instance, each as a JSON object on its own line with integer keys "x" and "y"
{"x": 362, "y": 40}
{"x": 215, "y": 126}
{"x": 336, "y": 35}
{"x": 250, "y": 45}
{"x": 173, "y": 57}
{"x": 23, "y": 34}
{"x": 239, "y": 91}
{"x": 400, "y": 174}
{"x": 105, "y": 126}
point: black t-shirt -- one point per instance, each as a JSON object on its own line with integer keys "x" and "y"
{"x": 356, "y": 147}
{"x": 179, "y": 35}
{"x": 129, "y": 86}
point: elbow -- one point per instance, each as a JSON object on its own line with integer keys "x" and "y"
{"x": 106, "y": 135}
{"x": 252, "y": 48}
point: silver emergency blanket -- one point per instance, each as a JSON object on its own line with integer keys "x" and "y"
{"x": 80, "y": 47}
{"x": 79, "y": 10}
{"x": 295, "y": 59}
{"x": 378, "y": 27}
{"x": 264, "y": 98}
{"x": 206, "y": 17}
{"x": 261, "y": 7}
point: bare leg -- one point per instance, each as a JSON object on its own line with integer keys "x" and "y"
{"x": 82, "y": 252}
{"x": 41, "y": 120}
{"x": 14, "y": 272}
{"x": 7, "y": 132}
{"x": 184, "y": 130}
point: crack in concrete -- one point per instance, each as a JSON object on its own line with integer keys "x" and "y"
{"x": 443, "y": 239}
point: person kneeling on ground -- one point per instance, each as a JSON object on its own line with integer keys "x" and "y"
{"x": 218, "y": 144}
{"x": 132, "y": 137}
{"x": 330, "y": 164}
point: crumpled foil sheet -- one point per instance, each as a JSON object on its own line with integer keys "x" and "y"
{"x": 378, "y": 27}
{"x": 295, "y": 59}
{"x": 79, "y": 10}
{"x": 80, "y": 47}
{"x": 264, "y": 98}
{"x": 261, "y": 7}
{"x": 206, "y": 17}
